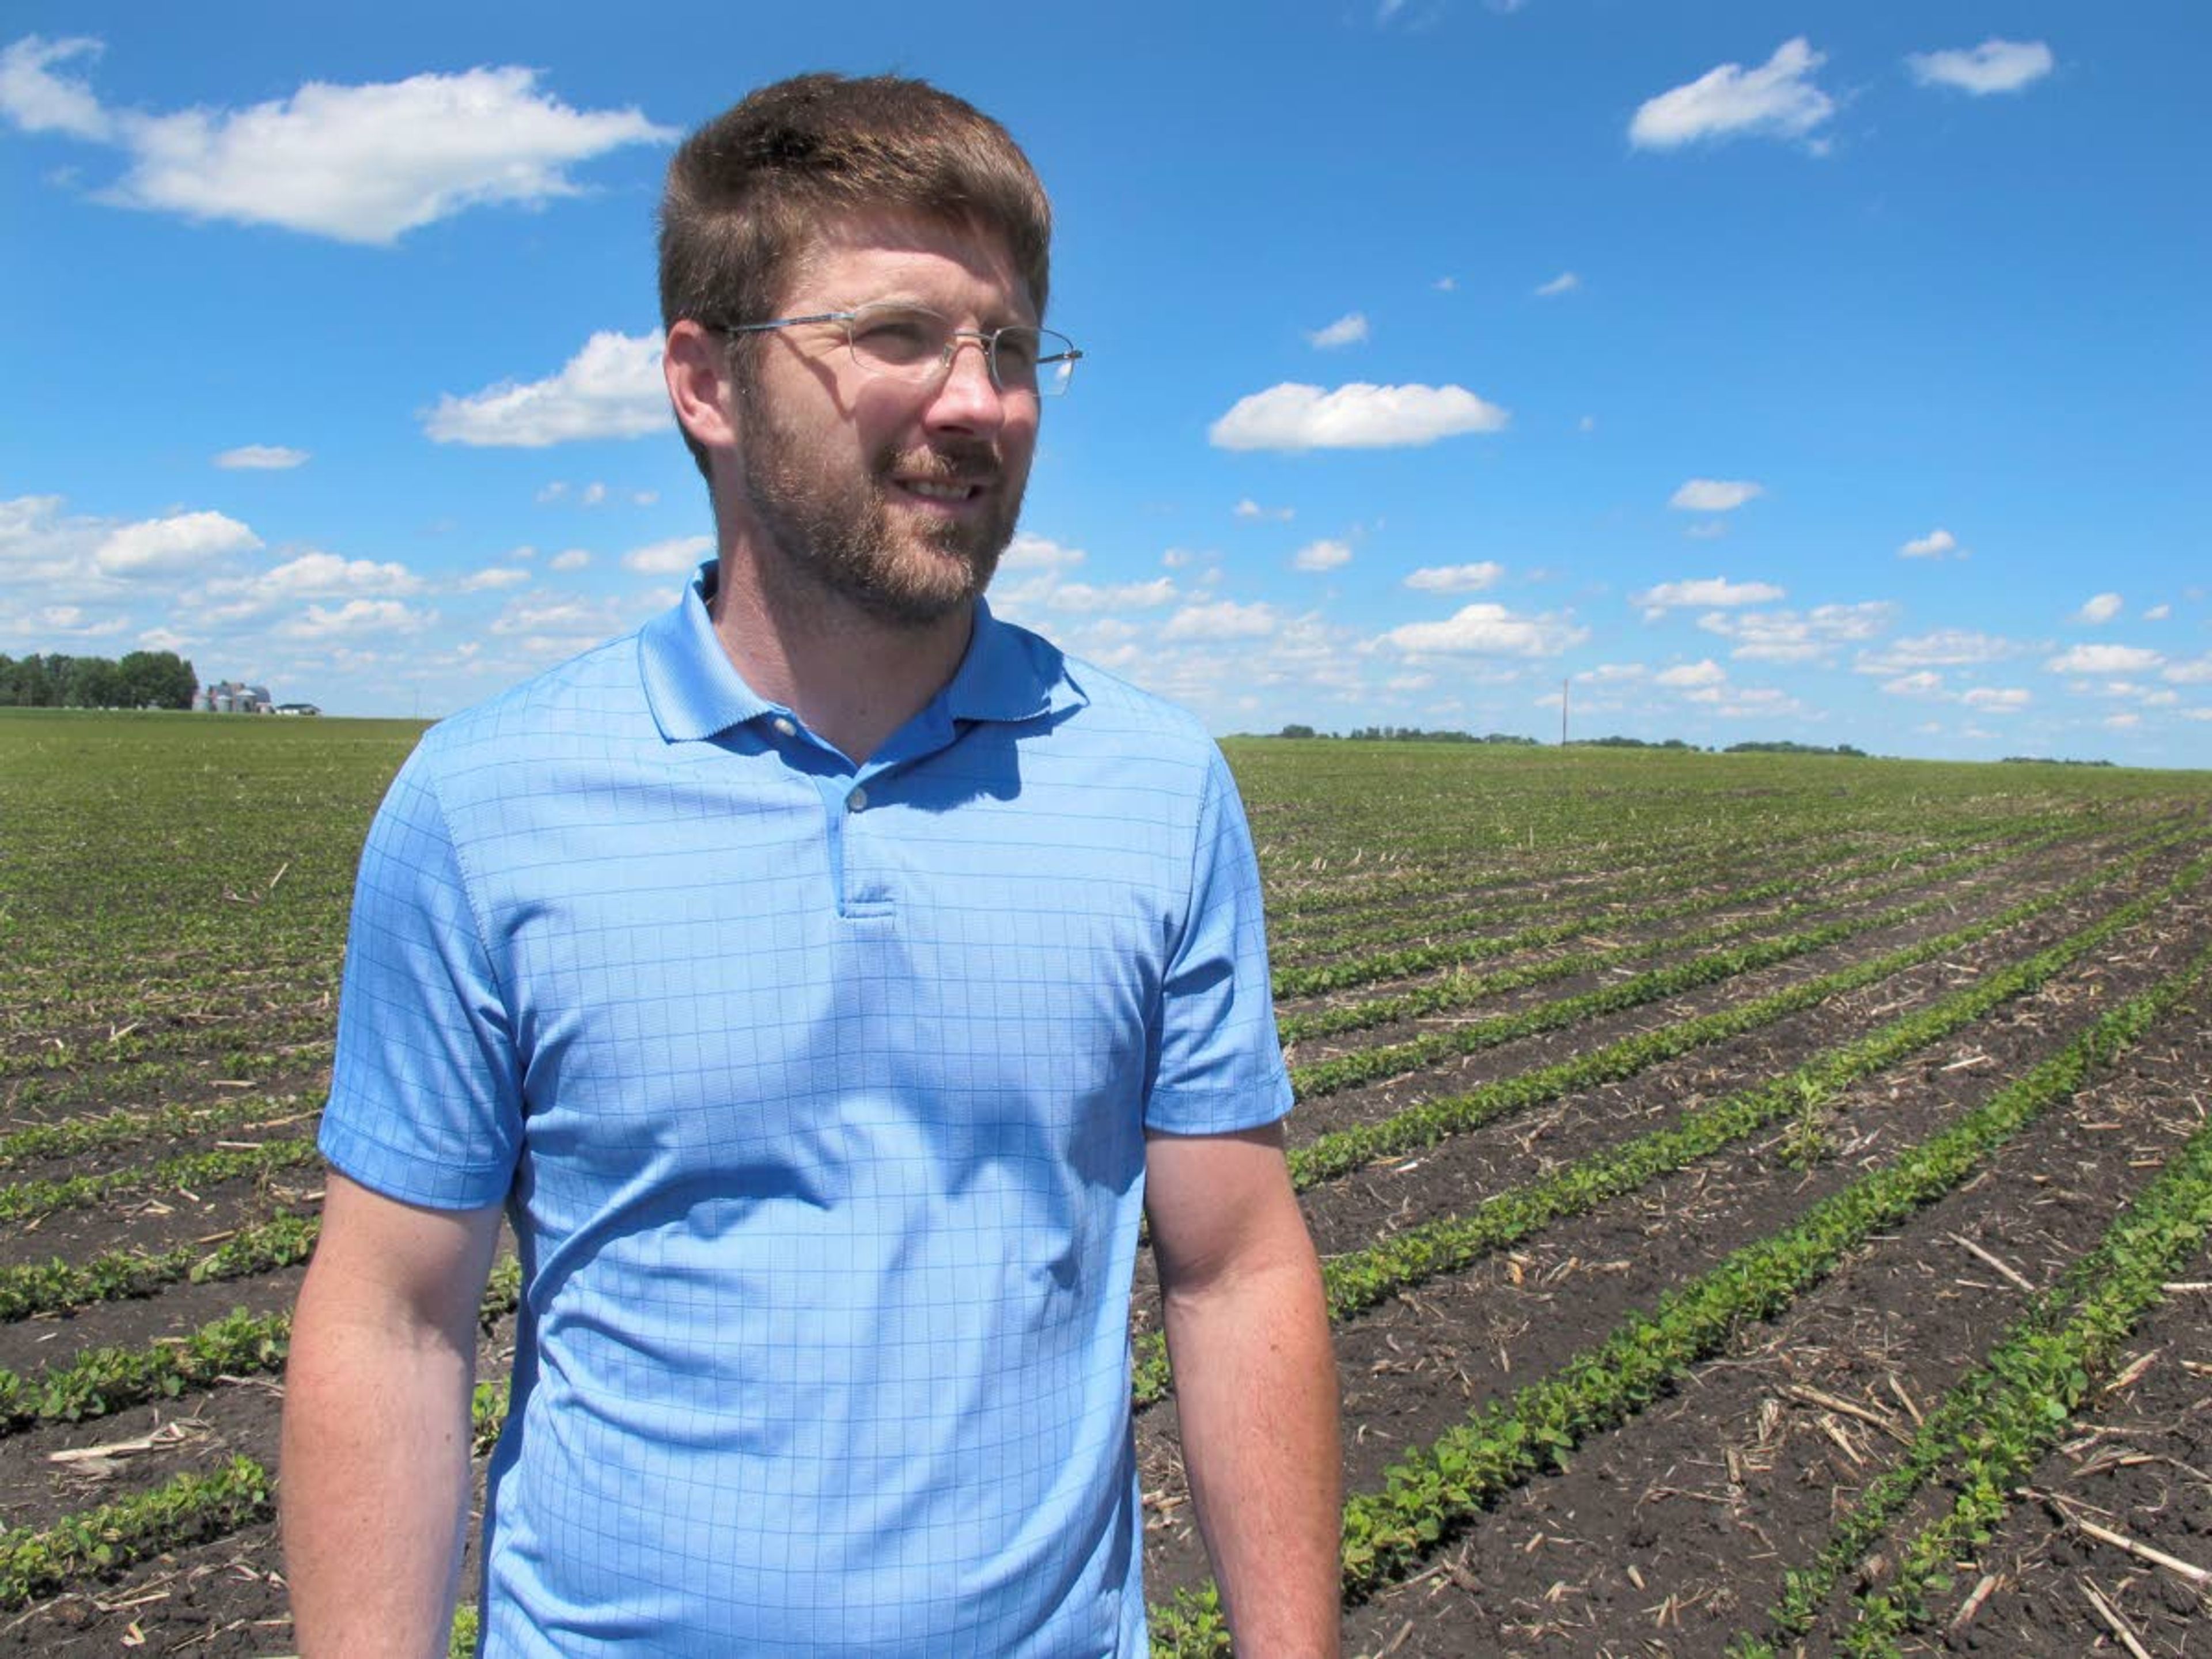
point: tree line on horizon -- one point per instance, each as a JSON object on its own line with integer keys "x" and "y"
{"x": 142, "y": 679}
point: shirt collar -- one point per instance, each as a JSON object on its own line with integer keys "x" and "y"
{"x": 696, "y": 691}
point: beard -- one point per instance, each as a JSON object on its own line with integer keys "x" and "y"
{"x": 844, "y": 534}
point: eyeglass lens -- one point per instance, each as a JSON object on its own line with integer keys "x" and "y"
{"x": 907, "y": 342}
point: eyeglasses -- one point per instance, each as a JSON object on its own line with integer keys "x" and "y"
{"x": 914, "y": 344}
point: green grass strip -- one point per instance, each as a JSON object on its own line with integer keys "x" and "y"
{"x": 27, "y": 1199}
{"x": 2022, "y": 1395}
{"x": 1330, "y": 1157}
{"x": 2037, "y": 1384}
{"x": 1452, "y": 1243}
{"x": 102, "y": 1381}
{"x": 1461, "y": 989}
{"x": 1433, "y": 1490}
{"x": 58, "y": 1286}
{"x": 1424, "y": 959}
{"x": 109, "y": 1130}
{"x": 35, "y": 1562}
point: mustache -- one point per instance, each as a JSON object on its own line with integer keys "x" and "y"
{"x": 960, "y": 462}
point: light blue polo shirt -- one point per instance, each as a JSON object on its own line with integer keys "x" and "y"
{"x": 817, "y": 1095}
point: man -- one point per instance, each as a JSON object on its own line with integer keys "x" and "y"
{"x": 824, "y": 978}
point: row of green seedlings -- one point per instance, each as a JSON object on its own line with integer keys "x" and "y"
{"x": 1429, "y": 855}
{"x": 238, "y": 1345}
{"x": 1386, "y": 1061}
{"x": 1993, "y": 1425}
{"x": 240, "y": 1048}
{"x": 1435, "y": 1490}
{"x": 1358, "y": 1280}
{"x": 113, "y": 1130}
{"x": 1453, "y": 1243}
{"x": 101, "y": 1381}
{"x": 1429, "y": 849}
{"x": 1468, "y": 899}
{"x": 1715, "y": 880}
{"x": 1406, "y": 961}
{"x": 283, "y": 1241}
{"x": 1456, "y": 990}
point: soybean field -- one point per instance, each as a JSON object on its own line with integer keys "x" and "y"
{"x": 1763, "y": 1199}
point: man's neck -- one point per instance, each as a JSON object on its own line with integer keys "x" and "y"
{"x": 855, "y": 679}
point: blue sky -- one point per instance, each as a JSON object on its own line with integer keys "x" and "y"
{"x": 1821, "y": 372}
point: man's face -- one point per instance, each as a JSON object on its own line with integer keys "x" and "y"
{"x": 896, "y": 498}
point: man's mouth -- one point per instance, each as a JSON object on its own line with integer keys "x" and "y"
{"x": 941, "y": 489}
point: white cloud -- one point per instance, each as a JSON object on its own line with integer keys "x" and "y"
{"x": 181, "y": 543}
{"x": 1354, "y": 416}
{"x": 1322, "y": 555}
{"x": 1778, "y": 99}
{"x": 1028, "y": 552}
{"x": 327, "y": 576}
{"x": 2158, "y": 613}
{"x": 547, "y": 624}
{"x": 1948, "y": 647}
{"x": 1487, "y": 630}
{"x": 163, "y": 639}
{"x": 492, "y": 578}
{"x": 679, "y": 557}
{"x": 1995, "y": 700}
{"x": 358, "y": 616}
{"x": 1249, "y": 508}
{"x": 2104, "y": 659}
{"x": 1445, "y": 284}
{"x": 2123, "y": 722}
{"x": 1714, "y": 494}
{"x": 1347, "y": 330}
{"x": 1456, "y": 577}
{"x": 2199, "y": 672}
{"x": 1223, "y": 619}
{"x": 37, "y": 100}
{"x": 1175, "y": 558}
{"x": 261, "y": 457}
{"x": 1588, "y": 424}
{"x": 1933, "y": 545}
{"x": 1705, "y": 672}
{"x": 1566, "y": 282}
{"x": 1710, "y": 531}
{"x": 1655, "y": 602}
{"x": 1925, "y": 683}
{"x": 612, "y": 388}
{"x": 2102, "y": 608}
{"x": 573, "y": 558}
{"x": 1085, "y": 598}
{"x": 1994, "y": 66}
{"x": 355, "y": 163}
{"x": 1613, "y": 673}
{"x": 1794, "y": 637}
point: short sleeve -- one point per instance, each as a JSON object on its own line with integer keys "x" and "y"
{"x": 1220, "y": 1067}
{"x": 426, "y": 1103}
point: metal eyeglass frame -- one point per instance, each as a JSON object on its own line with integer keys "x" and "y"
{"x": 988, "y": 339}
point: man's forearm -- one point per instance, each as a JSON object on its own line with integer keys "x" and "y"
{"x": 375, "y": 1483}
{"x": 1255, "y": 1390}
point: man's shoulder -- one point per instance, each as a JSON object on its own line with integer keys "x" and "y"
{"x": 580, "y": 706}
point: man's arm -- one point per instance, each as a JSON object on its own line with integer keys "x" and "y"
{"x": 374, "y": 1478}
{"x": 1255, "y": 1383}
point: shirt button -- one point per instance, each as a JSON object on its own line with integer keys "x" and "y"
{"x": 857, "y": 802}
{"x": 783, "y": 725}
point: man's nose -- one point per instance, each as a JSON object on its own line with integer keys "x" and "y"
{"x": 966, "y": 395}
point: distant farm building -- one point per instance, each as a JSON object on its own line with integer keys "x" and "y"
{"x": 296, "y": 708}
{"x": 230, "y": 698}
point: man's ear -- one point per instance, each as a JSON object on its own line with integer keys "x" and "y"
{"x": 697, "y": 369}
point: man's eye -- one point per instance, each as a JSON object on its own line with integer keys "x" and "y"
{"x": 1018, "y": 349}
{"x": 896, "y": 339}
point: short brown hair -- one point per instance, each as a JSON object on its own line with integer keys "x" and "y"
{"x": 746, "y": 191}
